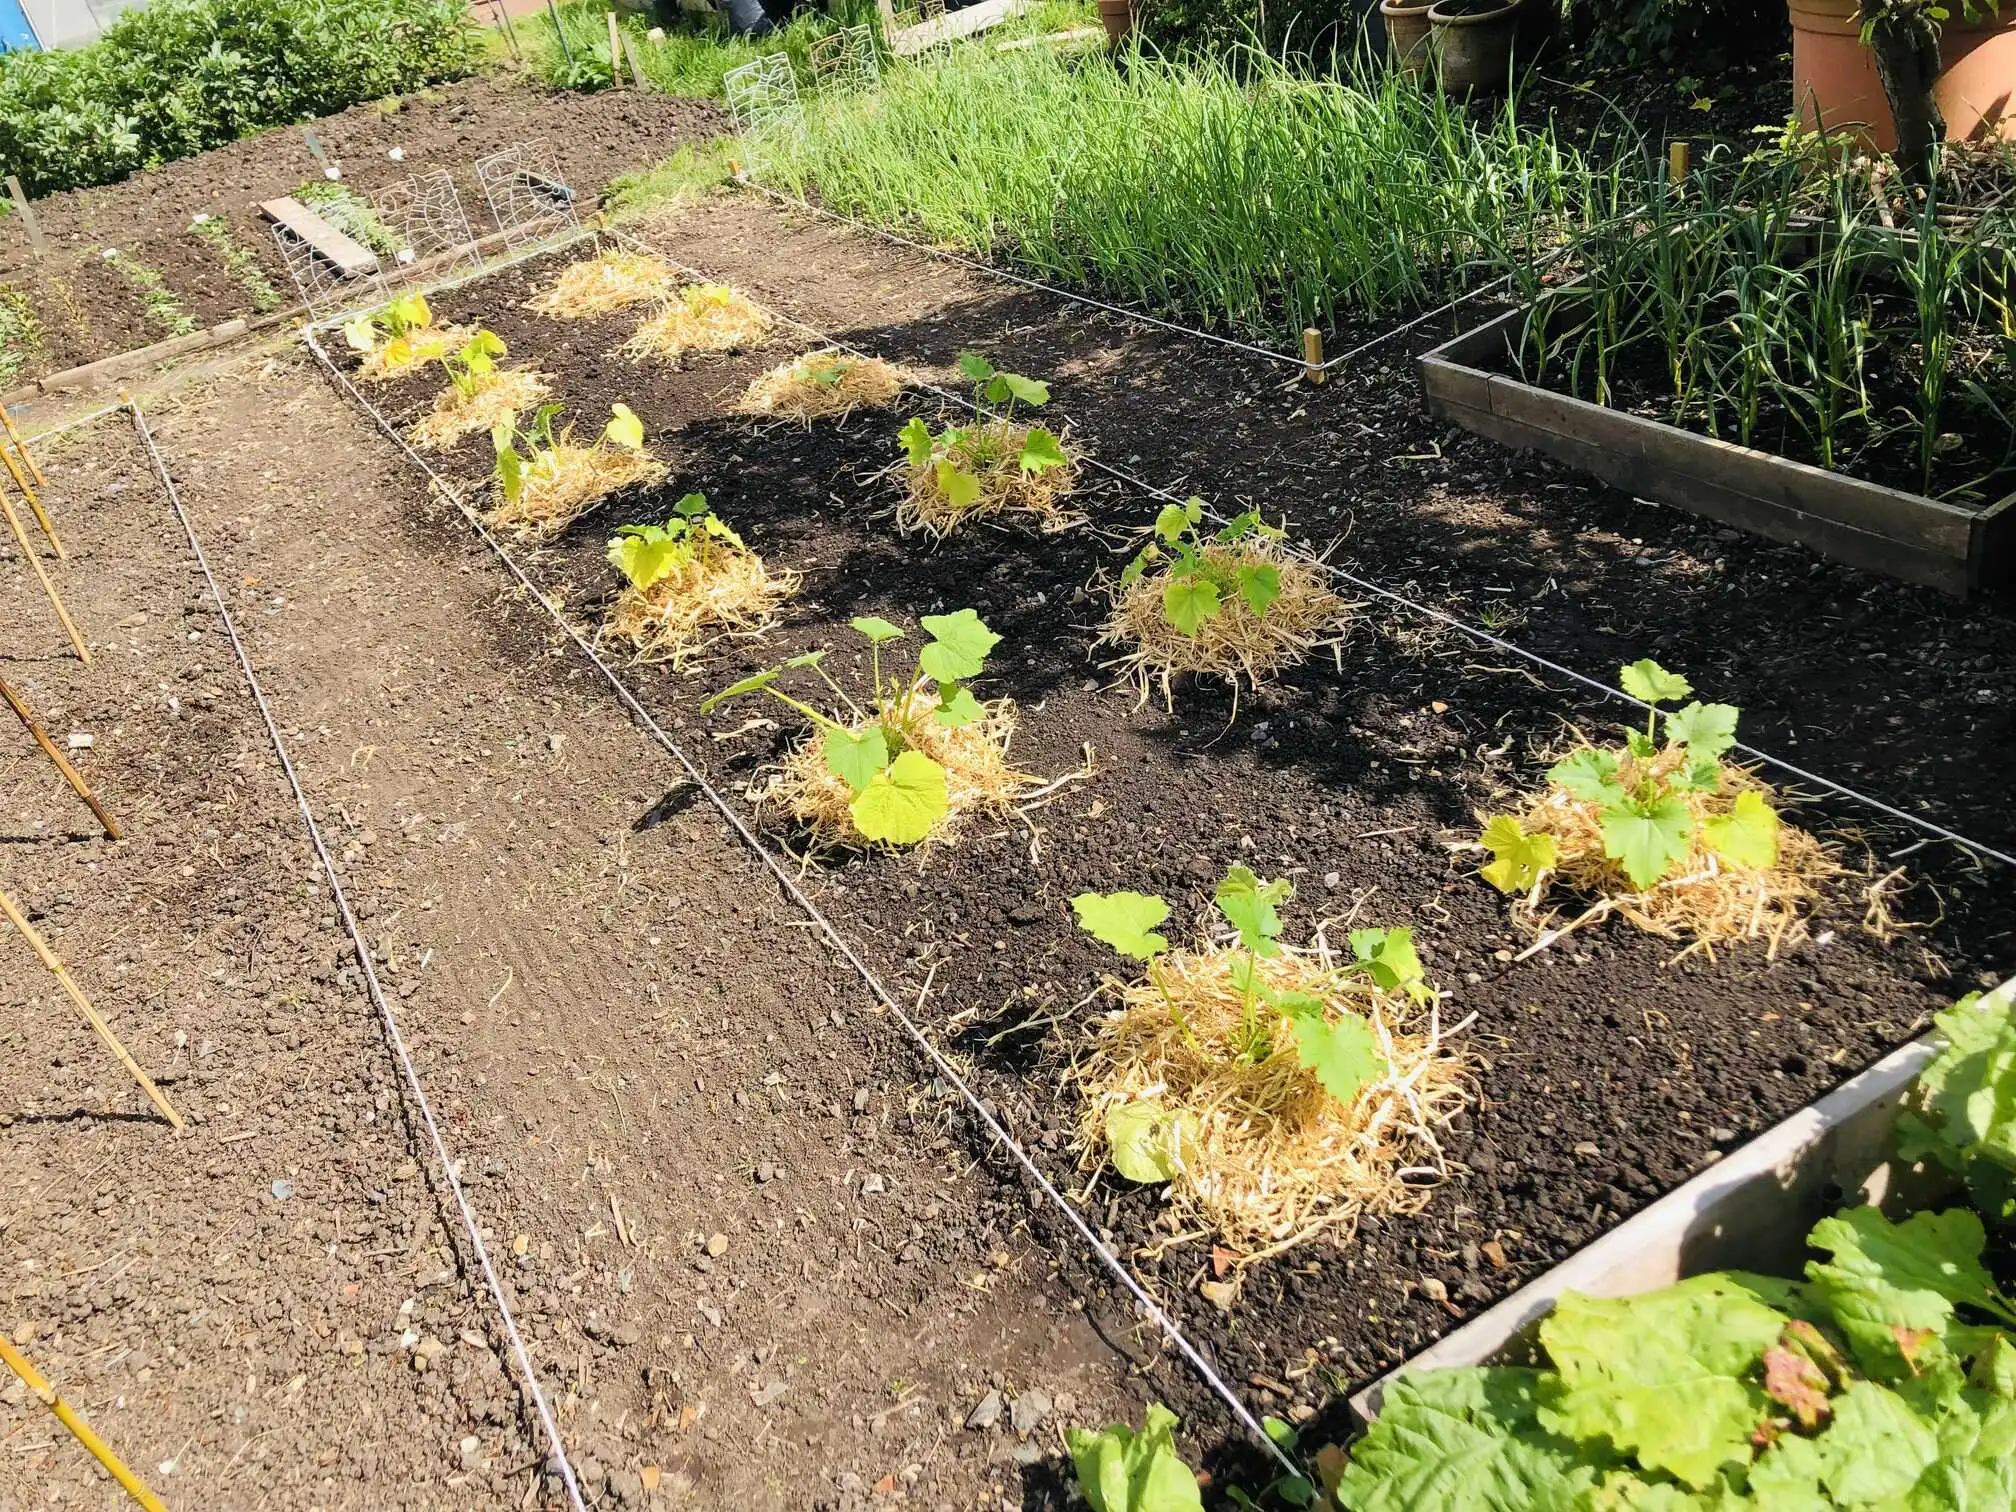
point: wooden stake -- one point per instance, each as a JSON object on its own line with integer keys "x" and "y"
{"x": 636, "y": 68}
{"x": 615, "y": 53}
{"x": 69, "y": 772}
{"x": 1312, "y": 354}
{"x": 41, "y": 948}
{"x": 79, "y": 1429}
{"x": 1679, "y": 159}
{"x": 21, "y": 446}
{"x": 28, "y": 493}
{"x": 21, "y": 540}
{"x": 21, "y": 208}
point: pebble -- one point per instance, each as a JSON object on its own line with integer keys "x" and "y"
{"x": 1029, "y": 1411}
{"x": 81, "y": 742}
{"x": 987, "y": 1413}
{"x": 283, "y": 1190}
{"x": 872, "y": 1186}
{"x": 765, "y": 1172}
{"x": 717, "y": 1245}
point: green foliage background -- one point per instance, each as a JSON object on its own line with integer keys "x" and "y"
{"x": 181, "y": 76}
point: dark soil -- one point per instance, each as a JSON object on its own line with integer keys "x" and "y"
{"x": 1606, "y": 1075}
{"x": 88, "y": 312}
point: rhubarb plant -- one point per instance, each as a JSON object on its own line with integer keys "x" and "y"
{"x": 648, "y": 554}
{"x": 1647, "y": 797}
{"x": 1883, "y": 1379}
{"x": 1339, "y": 1047}
{"x": 897, "y": 793}
{"x": 1198, "y": 582}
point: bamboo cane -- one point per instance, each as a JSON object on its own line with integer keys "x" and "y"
{"x": 28, "y": 493}
{"x": 62, "y": 763}
{"x": 79, "y": 1429}
{"x": 91, "y": 1016}
{"x": 22, "y": 447}
{"x": 21, "y": 539}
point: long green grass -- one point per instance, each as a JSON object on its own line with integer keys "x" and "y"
{"x": 1235, "y": 192}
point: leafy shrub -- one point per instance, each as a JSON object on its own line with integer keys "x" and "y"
{"x": 1627, "y": 33}
{"x": 182, "y": 76}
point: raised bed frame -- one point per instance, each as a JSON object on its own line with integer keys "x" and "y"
{"x": 1751, "y": 1210}
{"x": 1954, "y": 548}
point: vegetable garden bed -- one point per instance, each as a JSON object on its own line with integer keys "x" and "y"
{"x": 1604, "y": 1072}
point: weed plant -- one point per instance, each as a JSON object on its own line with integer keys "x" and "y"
{"x": 1779, "y": 309}
{"x": 1233, "y": 192}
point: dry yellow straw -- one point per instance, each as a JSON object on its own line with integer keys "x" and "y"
{"x": 28, "y": 493}
{"x": 69, "y": 772}
{"x": 91, "y": 1015}
{"x": 34, "y": 561}
{"x": 79, "y": 1429}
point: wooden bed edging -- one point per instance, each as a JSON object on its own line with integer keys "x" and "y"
{"x": 1951, "y": 547}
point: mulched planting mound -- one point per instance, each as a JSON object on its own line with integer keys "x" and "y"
{"x": 1606, "y": 1075}
{"x": 88, "y": 311}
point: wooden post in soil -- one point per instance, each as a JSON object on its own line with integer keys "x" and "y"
{"x": 22, "y": 208}
{"x": 22, "y": 447}
{"x": 91, "y": 1015}
{"x": 79, "y": 1429}
{"x": 1679, "y": 161}
{"x": 28, "y": 493}
{"x": 615, "y": 53}
{"x": 1312, "y": 355}
{"x": 21, "y": 539}
{"x": 69, "y": 772}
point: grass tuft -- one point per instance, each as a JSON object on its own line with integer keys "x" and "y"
{"x": 615, "y": 280}
{"x": 700, "y": 318}
{"x": 495, "y": 398}
{"x": 828, "y": 382}
{"x": 1264, "y": 1155}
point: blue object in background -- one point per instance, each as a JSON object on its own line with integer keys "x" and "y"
{"x": 15, "y": 33}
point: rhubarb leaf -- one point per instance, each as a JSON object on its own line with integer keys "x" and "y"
{"x": 1467, "y": 1439}
{"x": 1120, "y": 1470}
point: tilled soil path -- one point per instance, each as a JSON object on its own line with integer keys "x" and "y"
{"x": 87, "y": 308}
{"x": 744, "y": 1232}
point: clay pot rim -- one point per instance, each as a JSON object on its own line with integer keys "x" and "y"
{"x": 1405, "y": 7}
{"x": 1440, "y": 15}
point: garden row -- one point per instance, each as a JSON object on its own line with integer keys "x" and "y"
{"x": 1323, "y": 1142}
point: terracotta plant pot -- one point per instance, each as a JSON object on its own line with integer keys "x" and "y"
{"x": 1834, "y": 80}
{"x": 1472, "y": 42}
{"x": 1406, "y": 33}
{"x": 1117, "y": 16}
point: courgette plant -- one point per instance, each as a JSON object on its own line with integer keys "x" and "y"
{"x": 541, "y": 458}
{"x": 474, "y": 362}
{"x": 897, "y": 792}
{"x": 1338, "y": 1046}
{"x": 1199, "y": 583}
{"x": 390, "y": 324}
{"x": 961, "y": 458}
{"x": 648, "y": 554}
{"x": 1641, "y": 796}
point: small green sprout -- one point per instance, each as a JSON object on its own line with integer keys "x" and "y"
{"x": 1198, "y": 584}
{"x": 646, "y": 554}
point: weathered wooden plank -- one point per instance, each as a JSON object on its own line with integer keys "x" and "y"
{"x": 351, "y": 258}
{"x": 905, "y": 41}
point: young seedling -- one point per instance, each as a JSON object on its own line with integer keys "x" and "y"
{"x": 700, "y": 318}
{"x": 1245, "y": 1074}
{"x": 163, "y": 308}
{"x": 480, "y": 395}
{"x": 990, "y": 467}
{"x": 1232, "y": 603}
{"x": 400, "y": 336}
{"x": 687, "y": 582}
{"x": 921, "y": 751}
{"x": 237, "y": 261}
{"x": 552, "y": 482}
{"x": 825, "y": 383}
{"x": 1660, "y": 829}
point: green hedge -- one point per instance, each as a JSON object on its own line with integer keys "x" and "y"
{"x": 181, "y": 76}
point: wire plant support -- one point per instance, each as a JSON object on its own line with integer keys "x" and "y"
{"x": 529, "y": 199}
{"x": 425, "y": 212}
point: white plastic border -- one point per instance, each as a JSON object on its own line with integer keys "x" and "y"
{"x": 1751, "y": 1210}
